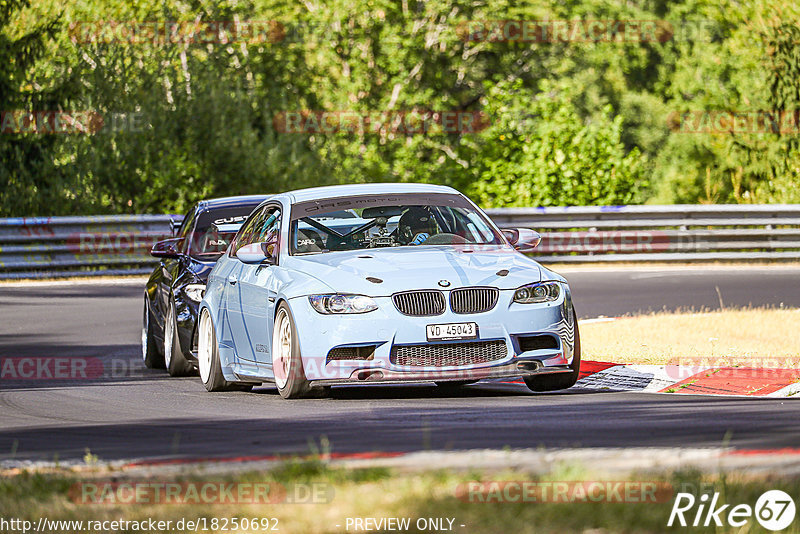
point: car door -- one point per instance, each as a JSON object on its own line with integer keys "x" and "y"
{"x": 171, "y": 269}
{"x": 233, "y": 292}
{"x": 258, "y": 288}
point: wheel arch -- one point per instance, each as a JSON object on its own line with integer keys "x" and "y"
{"x": 282, "y": 299}
{"x": 213, "y": 315}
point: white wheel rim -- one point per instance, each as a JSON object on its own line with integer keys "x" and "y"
{"x": 144, "y": 333}
{"x": 169, "y": 332}
{"x": 282, "y": 349}
{"x": 204, "y": 347}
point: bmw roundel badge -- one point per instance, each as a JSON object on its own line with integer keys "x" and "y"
{"x": 444, "y": 283}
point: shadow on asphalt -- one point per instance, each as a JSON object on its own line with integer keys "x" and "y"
{"x": 28, "y": 362}
{"x": 431, "y": 391}
{"x": 253, "y": 425}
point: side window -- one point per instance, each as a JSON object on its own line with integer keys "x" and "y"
{"x": 247, "y": 231}
{"x": 186, "y": 228}
{"x": 259, "y": 228}
{"x": 270, "y": 227}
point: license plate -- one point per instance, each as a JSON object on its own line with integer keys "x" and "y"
{"x": 438, "y": 332}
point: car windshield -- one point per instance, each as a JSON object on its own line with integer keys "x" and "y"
{"x": 208, "y": 241}
{"x": 375, "y": 221}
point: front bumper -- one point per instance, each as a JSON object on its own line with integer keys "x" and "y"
{"x": 386, "y": 328}
{"x": 389, "y": 376}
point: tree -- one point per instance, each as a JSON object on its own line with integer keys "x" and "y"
{"x": 541, "y": 152}
{"x": 28, "y": 176}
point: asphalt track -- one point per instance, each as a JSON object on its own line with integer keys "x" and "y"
{"x": 131, "y": 412}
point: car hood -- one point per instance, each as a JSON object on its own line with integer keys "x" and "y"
{"x": 419, "y": 268}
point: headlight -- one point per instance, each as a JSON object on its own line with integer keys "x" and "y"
{"x": 195, "y": 291}
{"x": 533, "y": 293}
{"x": 328, "y": 304}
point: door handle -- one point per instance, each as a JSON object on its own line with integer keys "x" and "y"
{"x": 232, "y": 279}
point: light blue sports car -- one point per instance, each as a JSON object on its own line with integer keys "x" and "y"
{"x": 382, "y": 283}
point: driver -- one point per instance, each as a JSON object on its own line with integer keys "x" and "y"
{"x": 415, "y": 226}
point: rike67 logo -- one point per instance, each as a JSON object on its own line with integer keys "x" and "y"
{"x": 774, "y": 510}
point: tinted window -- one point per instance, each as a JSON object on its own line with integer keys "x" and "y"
{"x": 206, "y": 242}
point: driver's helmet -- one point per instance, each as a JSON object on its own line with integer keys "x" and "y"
{"x": 414, "y": 221}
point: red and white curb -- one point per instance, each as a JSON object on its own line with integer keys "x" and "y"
{"x": 692, "y": 380}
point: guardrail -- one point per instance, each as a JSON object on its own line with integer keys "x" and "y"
{"x": 119, "y": 244}
{"x": 686, "y": 233}
{"x": 36, "y": 247}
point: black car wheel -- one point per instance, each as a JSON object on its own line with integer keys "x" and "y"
{"x": 173, "y": 355}
{"x": 562, "y": 380}
{"x": 152, "y": 358}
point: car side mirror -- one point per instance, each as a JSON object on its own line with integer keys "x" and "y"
{"x": 522, "y": 239}
{"x": 259, "y": 252}
{"x": 168, "y": 248}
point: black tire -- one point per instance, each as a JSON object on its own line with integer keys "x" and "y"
{"x": 214, "y": 380}
{"x": 290, "y": 377}
{"x": 562, "y": 380}
{"x": 176, "y": 363}
{"x": 151, "y": 356}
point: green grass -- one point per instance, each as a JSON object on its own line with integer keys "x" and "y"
{"x": 380, "y": 492}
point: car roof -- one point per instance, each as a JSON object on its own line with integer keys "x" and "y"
{"x": 335, "y": 191}
{"x": 229, "y": 202}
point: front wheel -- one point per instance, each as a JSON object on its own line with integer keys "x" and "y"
{"x": 562, "y": 380}
{"x": 173, "y": 355}
{"x": 208, "y": 359}
{"x": 287, "y": 364}
{"x": 150, "y": 355}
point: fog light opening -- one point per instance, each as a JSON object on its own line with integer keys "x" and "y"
{"x": 529, "y": 366}
{"x": 369, "y": 375}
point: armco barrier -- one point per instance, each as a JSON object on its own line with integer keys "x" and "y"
{"x": 111, "y": 245}
{"x": 686, "y": 233}
{"x": 67, "y": 246}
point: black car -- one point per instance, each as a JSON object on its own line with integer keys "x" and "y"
{"x": 175, "y": 289}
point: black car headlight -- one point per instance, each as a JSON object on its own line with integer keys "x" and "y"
{"x": 195, "y": 292}
{"x": 336, "y": 303}
{"x": 539, "y": 292}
